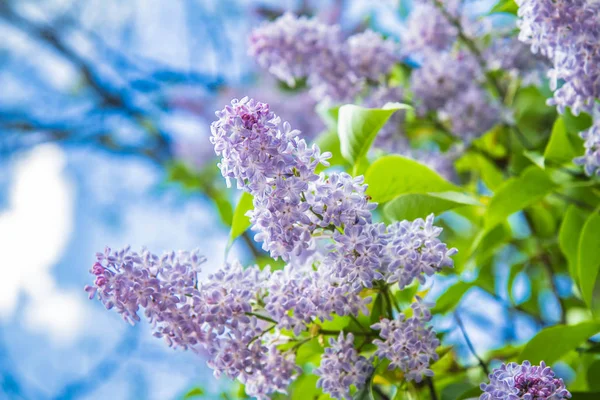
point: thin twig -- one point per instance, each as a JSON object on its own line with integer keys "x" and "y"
{"x": 429, "y": 381}
{"x": 482, "y": 364}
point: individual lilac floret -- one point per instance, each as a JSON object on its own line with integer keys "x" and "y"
{"x": 471, "y": 113}
{"x": 428, "y": 30}
{"x": 342, "y": 367}
{"x": 525, "y": 381}
{"x": 591, "y": 159}
{"x": 407, "y": 343}
{"x": 372, "y": 56}
{"x": 568, "y": 33}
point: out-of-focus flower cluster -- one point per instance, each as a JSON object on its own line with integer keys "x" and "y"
{"x": 337, "y": 69}
{"x": 567, "y": 33}
{"x": 524, "y": 381}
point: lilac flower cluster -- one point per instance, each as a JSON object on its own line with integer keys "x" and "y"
{"x": 292, "y": 204}
{"x": 428, "y": 30}
{"x": 293, "y": 48}
{"x": 297, "y": 296}
{"x": 511, "y": 55}
{"x": 525, "y": 381}
{"x": 342, "y": 367}
{"x": 408, "y": 343}
{"x": 591, "y": 159}
{"x": 450, "y": 84}
{"x": 213, "y": 316}
{"x": 567, "y": 33}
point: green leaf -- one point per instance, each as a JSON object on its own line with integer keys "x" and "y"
{"x": 568, "y": 238}
{"x": 305, "y": 387}
{"x": 455, "y": 391}
{"x": 559, "y": 147}
{"x": 518, "y": 193}
{"x": 391, "y": 176}
{"x": 535, "y": 158}
{"x": 416, "y": 205}
{"x": 585, "y": 395}
{"x": 329, "y": 115}
{"x": 194, "y": 393}
{"x": 473, "y": 393}
{"x": 505, "y": 6}
{"x": 589, "y": 256}
{"x": 358, "y": 126}
{"x": 593, "y": 375}
{"x": 240, "y": 221}
{"x": 550, "y": 344}
{"x": 451, "y": 297}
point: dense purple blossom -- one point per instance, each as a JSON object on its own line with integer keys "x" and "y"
{"x": 298, "y": 296}
{"x": 428, "y": 30}
{"x": 407, "y": 343}
{"x": 471, "y": 113}
{"x": 442, "y": 78}
{"x": 337, "y": 69}
{"x": 211, "y": 316}
{"x": 371, "y": 56}
{"x": 591, "y": 159}
{"x": 292, "y": 203}
{"x": 525, "y": 381}
{"x": 342, "y": 367}
{"x": 513, "y": 56}
{"x": 568, "y": 33}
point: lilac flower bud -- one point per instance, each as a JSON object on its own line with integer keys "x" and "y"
{"x": 342, "y": 367}
{"x": 407, "y": 343}
{"x": 591, "y": 159}
{"x": 525, "y": 381}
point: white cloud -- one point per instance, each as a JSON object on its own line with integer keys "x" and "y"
{"x": 34, "y": 232}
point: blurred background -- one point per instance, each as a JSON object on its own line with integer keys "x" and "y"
{"x": 105, "y": 107}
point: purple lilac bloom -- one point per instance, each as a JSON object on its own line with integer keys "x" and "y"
{"x": 428, "y": 30}
{"x": 212, "y": 317}
{"x": 407, "y": 343}
{"x": 591, "y": 159}
{"x": 568, "y": 33}
{"x": 372, "y": 56}
{"x": 525, "y": 381}
{"x": 511, "y": 55}
{"x": 297, "y": 296}
{"x": 291, "y": 201}
{"x": 342, "y": 367}
{"x": 441, "y": 78}
{"x": 293, "y": 205}
{"x": 471, "y": 113}
{"x": 293, "y": 47}
{"x": 337, "y": 70}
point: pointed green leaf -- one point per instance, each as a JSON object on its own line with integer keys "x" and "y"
{"x": 589, "y": 256}
{"x": 518, "y": 193}
{"x": 505, "y": 6}
{"x": 358, "y": 126}
{"x": 550, "y": 344}
{"x": 391, "y": 176}
{"x": 419, "y": 205}
{"x": 451, "y": 297}
{"x": 559, "y": 147}
{"x": 194, "y": 393}
{"x": 240, "y": 221}
{"x": 568, "y": 238}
